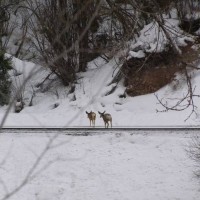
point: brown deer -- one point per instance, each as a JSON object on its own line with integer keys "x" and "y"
{"x": 106, "y": 118}
{"x": 92, "y": 117}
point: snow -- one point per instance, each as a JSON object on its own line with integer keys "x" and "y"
{"x": 59, "y": 108}
{"x": 153, "y": 39}
{"x": 139, "y": 54}
{"x": 55, "y": 106}
{"x": 105, "y": 165}
{"x": 116, "y": 165}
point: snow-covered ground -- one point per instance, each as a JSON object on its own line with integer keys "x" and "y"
{"x": 107, "y": 165}
{"x": 91, "y": 94}
{"x": 55, "y": 106}
{"x": 116, "y": 165}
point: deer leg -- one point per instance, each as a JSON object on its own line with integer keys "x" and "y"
{"x": 111, "y": 123}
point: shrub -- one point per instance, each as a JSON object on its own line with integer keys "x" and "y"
{"x": 5, "y": 65}
{"x": 193, "y": 151}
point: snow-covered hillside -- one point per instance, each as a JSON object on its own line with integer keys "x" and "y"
{"x": 91, "y": 93}
{"x": 57, "y": 106}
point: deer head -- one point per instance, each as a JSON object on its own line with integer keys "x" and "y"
{"x": 101, "y": 114}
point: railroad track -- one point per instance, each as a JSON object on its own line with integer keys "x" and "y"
{"x": 79, "y": 131}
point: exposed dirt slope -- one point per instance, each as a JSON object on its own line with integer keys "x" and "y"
{"x": 149, "y": 74}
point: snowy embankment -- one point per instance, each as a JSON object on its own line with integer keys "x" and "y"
{"x": 115, "y": 165}
{"x": 91, "y": 94}
{"x": 55, "y": 106}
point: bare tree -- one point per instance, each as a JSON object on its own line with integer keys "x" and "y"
{"x": 187, "y": 100}
{"x": 58, "y": 26}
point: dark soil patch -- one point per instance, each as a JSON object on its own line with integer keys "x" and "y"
{"x": 147, "y": 75}
{"x": 190, "y": 26}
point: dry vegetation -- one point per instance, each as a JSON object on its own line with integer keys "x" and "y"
{"x": 147, "y": 75}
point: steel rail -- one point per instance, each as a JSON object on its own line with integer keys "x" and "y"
{"x": 89, "y": 130}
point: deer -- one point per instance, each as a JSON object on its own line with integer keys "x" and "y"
{"x": 106, "y": 118}
{"x": 92, "y": 117}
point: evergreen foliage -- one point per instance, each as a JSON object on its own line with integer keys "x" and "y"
{"x": 5, "y": 65}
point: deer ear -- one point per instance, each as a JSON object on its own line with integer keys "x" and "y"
{"x": 86, "y": 112}
{"x": 99, "y": 112}
{"x": 104, "y": 112}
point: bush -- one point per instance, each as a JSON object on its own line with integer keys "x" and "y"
{"x": 193, "y": 151}
{"x": 5, "y": 65}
